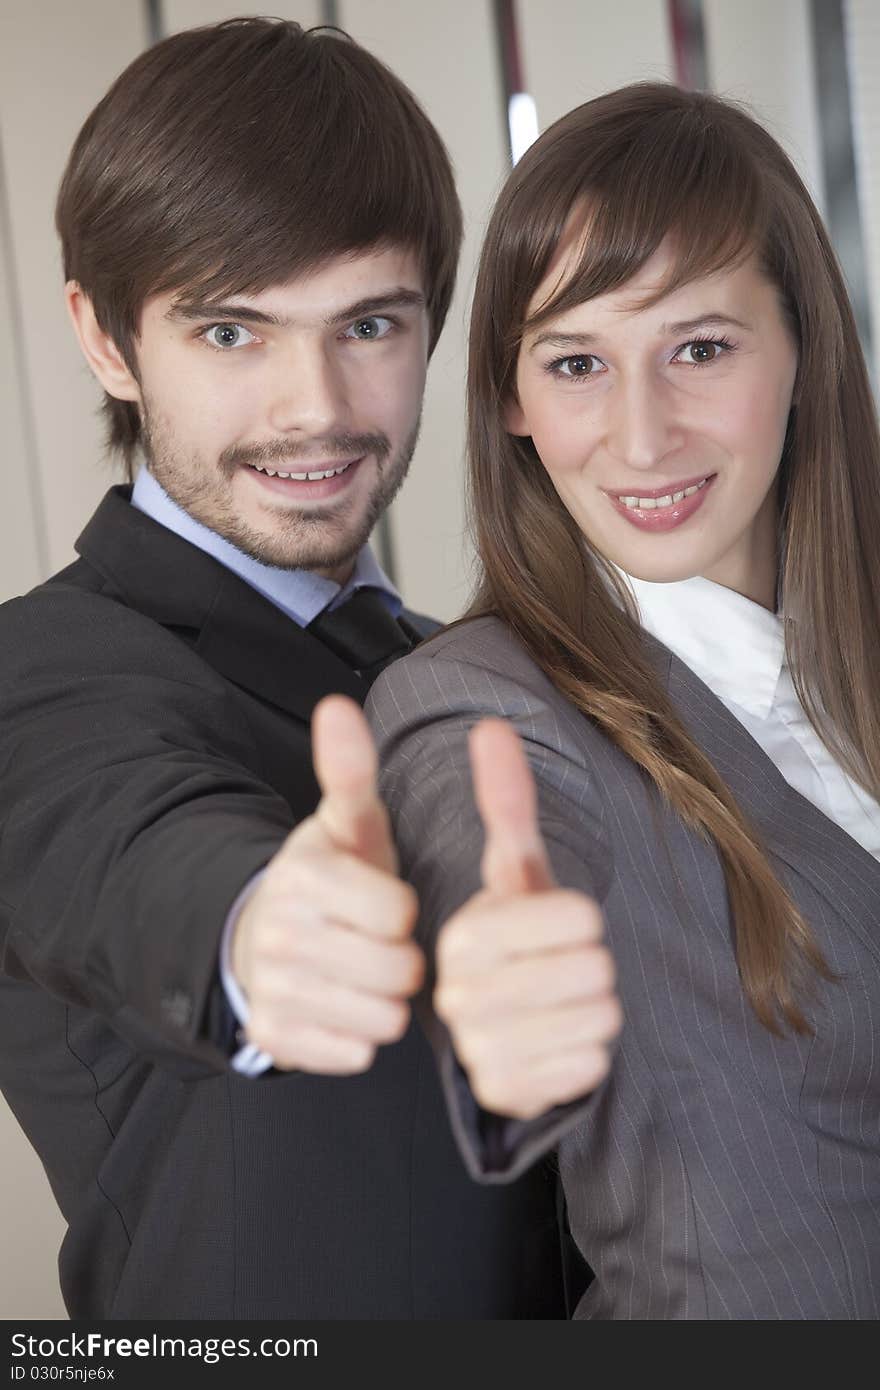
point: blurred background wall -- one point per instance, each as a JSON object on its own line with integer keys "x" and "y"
{"x": 808, "y": 68}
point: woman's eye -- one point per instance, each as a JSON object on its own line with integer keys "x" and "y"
{"x": 584, "y": 364}
{"x": 228, "y": 335}
{"x": 701, "y": 351}
{"x": 369, "y": 328}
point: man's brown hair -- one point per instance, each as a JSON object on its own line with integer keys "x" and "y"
{"x": 230, "y": 158}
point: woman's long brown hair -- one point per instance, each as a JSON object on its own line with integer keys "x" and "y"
{"x": 647, "y": 163}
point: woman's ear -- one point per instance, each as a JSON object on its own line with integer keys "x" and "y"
{"x": 98, "y": 348}
{"x": 514, "y": 418}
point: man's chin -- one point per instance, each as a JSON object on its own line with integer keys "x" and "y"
{"x": 318, "y": 553}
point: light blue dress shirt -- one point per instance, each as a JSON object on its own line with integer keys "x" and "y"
{"x": 302, "y": 596}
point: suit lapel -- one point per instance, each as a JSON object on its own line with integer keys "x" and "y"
{"x": 808, "y": 842}
{"x": 232, "y": 627}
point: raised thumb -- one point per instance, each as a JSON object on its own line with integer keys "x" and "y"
{"x": 514, "y": 856}
{"x": 346, "y": 766}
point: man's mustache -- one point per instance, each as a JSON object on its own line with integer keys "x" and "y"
{"x": 338, "y": 446}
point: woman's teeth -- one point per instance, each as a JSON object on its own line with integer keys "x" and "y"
{"x": 645, "y": 504}
{"x": 303, "y": 477}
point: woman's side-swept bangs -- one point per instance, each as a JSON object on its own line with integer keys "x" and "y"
{"x": 677, "y": 180}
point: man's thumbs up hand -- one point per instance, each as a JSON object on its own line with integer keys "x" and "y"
{"x": 524, "y": 983}
{"x": 322, "y": 948}
{"x": 350, "y": 815}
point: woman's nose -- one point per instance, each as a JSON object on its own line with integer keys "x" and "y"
{"x": 642, "y": 428}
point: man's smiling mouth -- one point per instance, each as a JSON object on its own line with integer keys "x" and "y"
{"x": 312, "y": 477}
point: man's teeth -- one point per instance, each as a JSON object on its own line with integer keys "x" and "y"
{"x": 303, "y": 477}
{"x": 645, "y": 504}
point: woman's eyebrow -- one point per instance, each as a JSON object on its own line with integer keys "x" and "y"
{"x": 701, "y": 321}
{"x": 562, "y": 340}
{"x": 681, "y": 326}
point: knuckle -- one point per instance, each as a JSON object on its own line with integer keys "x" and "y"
{"x": 581, "y": 911}
{"x": 454, "y": 940}
{"x": 451, "y": 1001}
{"x": 398, "y": 1021}
{"x": 589, "y": 915}
{"x": 274, "y": 984}
{"x": 479, "y": 1048}
{"x": 412, "y": 968}
{"x": 361, "y": 1055}
{"x": 444, "y": 1002}
{"x": 406, "y": 903}
{"x": 614, "y": 1017}
{"x": 595, "y": 1065}
{"x": 285, "y": 1058}
{"x": 386, "y": 1021}
{"x": 603, "y": 968}
{"x": 269, "y": 1038}
{"x": 462, "y": 1047}
{"x": 499, "y": 1092}
{"x": 491, "y": 1094}
{"x": 604, "y": 1021}
{"x": 305, "y": 874}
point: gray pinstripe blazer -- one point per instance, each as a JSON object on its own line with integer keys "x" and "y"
{"x": 719, "y": 1172}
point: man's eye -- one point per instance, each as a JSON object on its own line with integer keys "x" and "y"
{"x": 368, "y": 328}
{"x": 228, "y": 335}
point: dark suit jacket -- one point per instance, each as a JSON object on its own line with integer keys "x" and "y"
{"x": 719, "y": 1171}
{"x": 154, "y": 753}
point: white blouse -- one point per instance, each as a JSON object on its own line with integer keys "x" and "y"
{"x": 736, "y": 647}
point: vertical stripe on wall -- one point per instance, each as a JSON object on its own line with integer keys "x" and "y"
{"x": 688, "y": 43}
{"x": 519, "y": 112}
{"x": 25, "y": 558}
{"x": 153, "y": 20}
{"x": 862, "y": 34}
{"x": 842, "y": 210}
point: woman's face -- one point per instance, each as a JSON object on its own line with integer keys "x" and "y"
{"x": 662, "y": 428}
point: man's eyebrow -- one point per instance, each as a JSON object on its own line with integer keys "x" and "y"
{"x": 398, "y": 298}
{"x": 677, "y": 329}
{"x": 195, "y": 313}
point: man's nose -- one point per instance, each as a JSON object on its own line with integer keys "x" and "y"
{"x": 642, "y": 426}
{"x": 308, "y": 392}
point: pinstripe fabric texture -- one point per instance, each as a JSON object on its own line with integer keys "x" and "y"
{"x": 719, "y": 1172}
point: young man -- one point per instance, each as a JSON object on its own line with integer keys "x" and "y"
{"x": 260, "y": 232}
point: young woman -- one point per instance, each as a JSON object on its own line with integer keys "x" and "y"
{"x": 675, "y": 485}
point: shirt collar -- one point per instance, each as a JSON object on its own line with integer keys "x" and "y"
{"x": 300, "y": 594}
{"x": 733, "y": 644}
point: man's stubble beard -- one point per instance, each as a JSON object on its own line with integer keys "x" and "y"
{"x": 319, "y": 538}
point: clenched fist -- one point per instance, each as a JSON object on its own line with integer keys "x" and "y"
{"x": 524, "y": 983}
{"x": 322, "y": 949}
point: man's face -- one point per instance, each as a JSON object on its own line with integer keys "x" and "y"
{"x": 285, "y": 421}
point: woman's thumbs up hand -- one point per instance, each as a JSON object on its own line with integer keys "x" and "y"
{"x": 524, "y": 981}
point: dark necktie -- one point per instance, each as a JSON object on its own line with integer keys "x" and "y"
{"x": 363, "y": 633}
